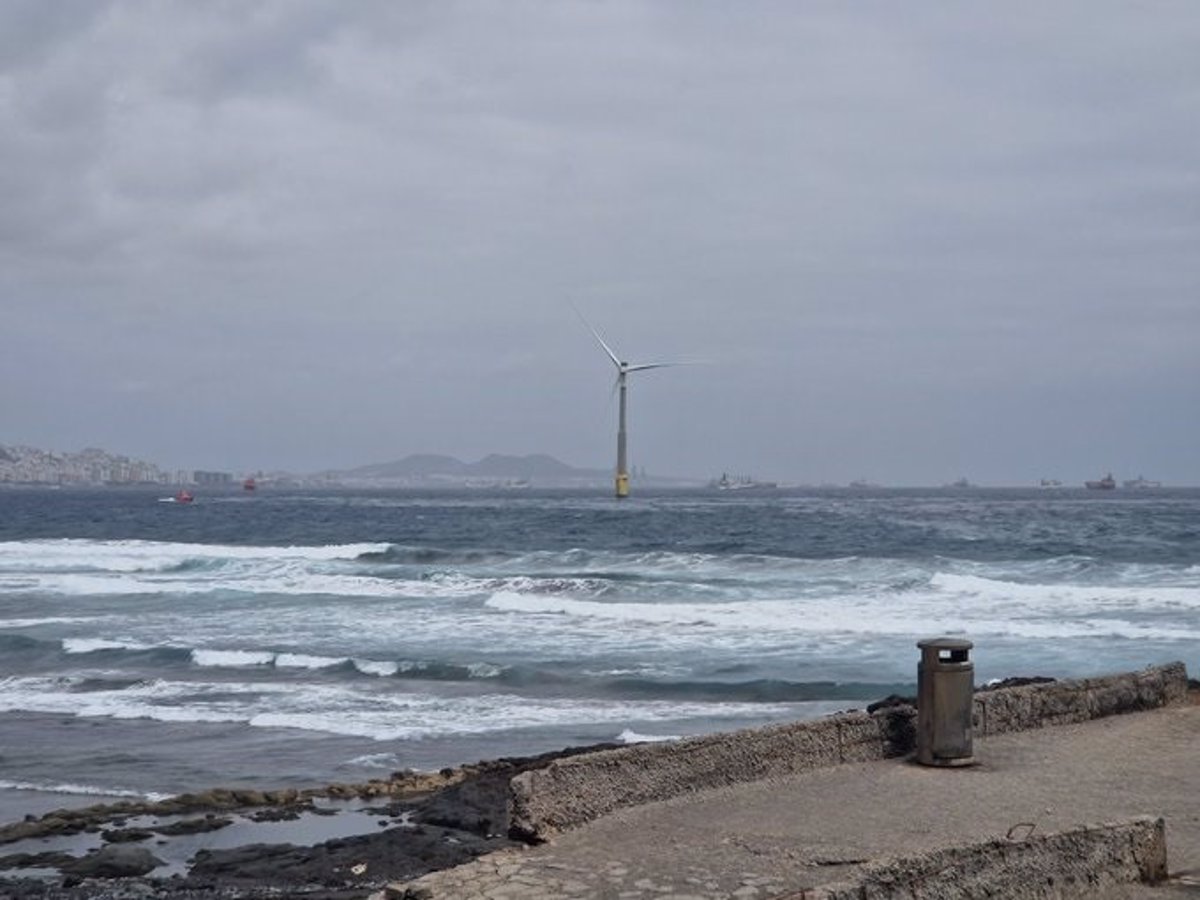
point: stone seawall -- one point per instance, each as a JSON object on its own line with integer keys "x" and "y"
{"x": 1081, "y": 862}
{"x": 1064, "y": 702}
{"x": 572, "y": 791}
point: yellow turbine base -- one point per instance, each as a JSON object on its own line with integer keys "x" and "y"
{"x": 622, "y": 485}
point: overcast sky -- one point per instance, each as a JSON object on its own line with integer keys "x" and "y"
{"x": 904, "y": 242}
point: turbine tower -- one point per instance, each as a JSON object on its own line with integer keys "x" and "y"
{"x": 623, "y": 370}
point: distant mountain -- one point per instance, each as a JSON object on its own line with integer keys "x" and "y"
{"x": 537, "y": 465}
{"x": 494, "y": 468}
{"x": 417, "y": 465}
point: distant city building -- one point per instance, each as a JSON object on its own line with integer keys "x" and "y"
{"x": 202, "y": 477}
{"x": 30, "y": 465}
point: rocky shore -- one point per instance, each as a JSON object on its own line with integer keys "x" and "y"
{"x": 256, "y": 844}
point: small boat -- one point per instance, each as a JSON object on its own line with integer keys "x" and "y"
{"x": 1141, "y": 483}
{"x": 249, "y": 485}
{"x": 740, "y": 483}
{"x": 1107, "y": 483}
{"x": 184, "y": 497}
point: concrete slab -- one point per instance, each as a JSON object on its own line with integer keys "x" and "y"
{"x": 777, "y": 837}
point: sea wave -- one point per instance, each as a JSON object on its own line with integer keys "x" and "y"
{"x": 345, "y": 711}
{"x": 1065, "y": 597}
{"x": 632, "y": 737}
{"x": 86, "y": 790}
{"x": 233, "y": 658}
{"x": 94, "y": 645}
{"x": 86, "y": 555}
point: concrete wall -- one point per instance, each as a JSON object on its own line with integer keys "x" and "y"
{"x": 1078, "y": 863}
{"x": 1064, "y": 702}
{"x": 575, "y": 790}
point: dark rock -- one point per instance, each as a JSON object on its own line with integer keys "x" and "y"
{"x": 60, "y": 825}
{"x": 892, "y": 700}
{"x": 277, "y": 814}
{"x": 457, "y": 815}
{"x": 194, "y": 826}
{"x": 126, "y": 835}
{"x": 898, "y": 723}
{"x": 1016, "y": 681}
{"x": 249, "y": 798}
{"x": 113, "y": 862}
{"x": 47, "y": 860}
{"x": 284, "y": 797}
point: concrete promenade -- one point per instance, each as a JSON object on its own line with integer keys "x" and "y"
{"x": 775, "y": 838}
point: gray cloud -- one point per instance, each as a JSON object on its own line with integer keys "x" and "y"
{"x": 909, "y": 244}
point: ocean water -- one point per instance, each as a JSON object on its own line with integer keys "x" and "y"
{"x": 296, "y": 638}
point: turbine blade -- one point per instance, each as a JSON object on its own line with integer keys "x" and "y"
{"x": 596, "y": 335}
{"x": 641, "y": 367}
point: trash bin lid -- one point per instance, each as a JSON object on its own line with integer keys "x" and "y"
{"x": 945, "y": 643}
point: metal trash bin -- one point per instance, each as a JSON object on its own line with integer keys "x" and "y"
{"x": 945, "y": 700}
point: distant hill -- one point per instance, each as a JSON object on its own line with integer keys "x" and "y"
{"x": 537, "y": 465}
{"x": 494, "y": 468}
{"x": 417, "y": 465}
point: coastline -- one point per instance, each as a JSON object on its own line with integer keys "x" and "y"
{"x": 342, "y": 840}
{"x": 351, "y": 840}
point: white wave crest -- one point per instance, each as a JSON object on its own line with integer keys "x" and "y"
{"x": 48, "y": 620}
{"x": 484, "y": 670}
{"x": 77, "y": 554}
{"x": 305, "y": 661}
{"x": 1066, "y": 596}
{"x": 632, "y": 737}
{"x": 233, "y": 658}
{"x": 389, "y": 761}
{"x": 375, "y": 667}
{"x": 91, "y": 645}
{"x": 334, "y": 709}
{"x": 543, "y": 604}
{"x": 85, "y": 790}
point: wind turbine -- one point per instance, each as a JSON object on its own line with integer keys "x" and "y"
{"x": 623, "y": 370}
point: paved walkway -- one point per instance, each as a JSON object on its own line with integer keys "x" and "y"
{"x": 767, "y": 839}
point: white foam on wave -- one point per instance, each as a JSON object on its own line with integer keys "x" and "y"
{"x": 389, "y": 761}
{"x": 232, "y": 658}
{"x": 735, "y": 619}
{"x": 549, "y": 604}
{"x": 294, "y": 579}
{"x": 85, "y": 790}
{"x": 235, "y": 659}
{"x": 47, "y": 620}
{"x": 1066, "y": 595}
{"x": 79, "y": 554}
{"x": 484, "y": 670}
{"x": 334, "y": 709}
{"x": 920, "y": 604}
{"x": 632, "y": 737}
{"x": 376, "y": 667}
{"x": 93, "y": 645}
{"x": 306, "y": 661}
{"x": 90, "y": 568}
